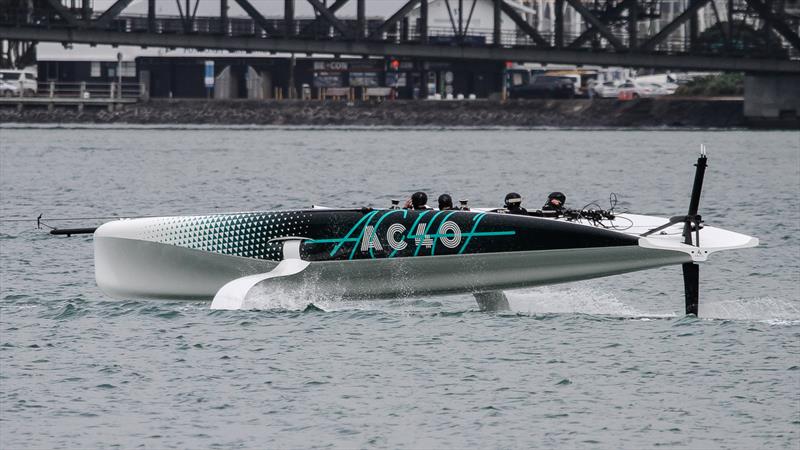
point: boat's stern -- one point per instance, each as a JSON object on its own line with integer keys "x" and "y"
{"x": 133, "y": 261}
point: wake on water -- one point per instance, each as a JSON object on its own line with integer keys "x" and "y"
{"x": 530, "y": 301}
{"x": 764, "y": 309}
{"x": 573, "y": 300}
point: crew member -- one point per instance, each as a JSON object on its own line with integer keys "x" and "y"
{"x": 555, "y": 202}
{"x": 446, "y": 203}
{"x": 513, "y": 204}
{"x": 417, "y": 201}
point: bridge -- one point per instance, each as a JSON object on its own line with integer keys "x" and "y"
{"x": 752, "y": 36}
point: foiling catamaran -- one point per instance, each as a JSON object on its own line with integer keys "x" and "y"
{"x": 386, "y": 253}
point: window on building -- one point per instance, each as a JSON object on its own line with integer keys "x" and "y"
{"x": 95, "y": 70}
{"x": 396, "y": 79}
{"x": 367, "y": 79}
{"x": 129, "y": 69}
{"x": 327, "y": 79}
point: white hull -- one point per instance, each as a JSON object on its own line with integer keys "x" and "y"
{"x": 131, "y": 262}
{"x": 133, "y": 268}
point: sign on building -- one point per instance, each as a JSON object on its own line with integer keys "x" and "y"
{"x": 331, "y": 66}
{"x": 209, "y": 74}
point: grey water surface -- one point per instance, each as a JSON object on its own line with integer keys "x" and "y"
{"x": 608, "y": 363}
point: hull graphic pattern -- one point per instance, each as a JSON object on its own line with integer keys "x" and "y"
{"x": 334, "y": 235}
{"x": 350, "y": 249}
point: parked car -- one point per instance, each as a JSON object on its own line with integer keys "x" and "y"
{"x": 8, "y": 89}
{"x": 663, "y": 89}
{"x": 609, "y": 89}
{"x": 22, "y": 79}
{"x": 667, "y": 88}
{"x": 545, "y": 86}
{"x": 636, "y": 89}
{"x": 582, "y": 79}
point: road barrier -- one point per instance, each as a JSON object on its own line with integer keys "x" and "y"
{"x": 80, "y": 94}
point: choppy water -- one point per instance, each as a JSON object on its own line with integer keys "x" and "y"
{"x": 609, "y": 363}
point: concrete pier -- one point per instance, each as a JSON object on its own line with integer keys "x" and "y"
{"x": 772, "y": 99}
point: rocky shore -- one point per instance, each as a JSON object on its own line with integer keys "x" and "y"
{"x": 672, "y": 112}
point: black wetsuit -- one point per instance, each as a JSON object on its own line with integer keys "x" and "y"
{"x": 518, "y": 210}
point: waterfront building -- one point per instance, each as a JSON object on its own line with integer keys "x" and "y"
{"x": 181, "y": 73}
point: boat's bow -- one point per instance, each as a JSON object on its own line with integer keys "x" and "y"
{"x": 709, "y": 239}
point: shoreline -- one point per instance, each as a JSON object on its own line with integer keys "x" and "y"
{"x": 255, "y": 127}
{"x": 657, "y": 113}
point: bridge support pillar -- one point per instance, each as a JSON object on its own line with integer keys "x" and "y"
{"x": 559, "y": 25}
{"x": 86, "y": 10}
{"x": 633, "y": 26}
{"x": 361, "y": 19}
{"x": 497, "y": 36}
{"x": 772, "y": 99}
{"x": 151, "y": 16}
{"x": 288, "y": 17}
{"x": 259, "y": 84}
{"x": 423, "y": 22}
{"x": 223, "y": 17}
{"x": 694, "y": 27}
{"x": 226, "y": 84}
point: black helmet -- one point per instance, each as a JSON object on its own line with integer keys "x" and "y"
{"x": 557, "y": 196}
{"x": 513, "y": 200}
{"x": 418, "y": 200}
{"x": 445, "y": 201}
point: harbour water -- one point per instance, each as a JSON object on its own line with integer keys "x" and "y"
{"x": 607, "y": 363}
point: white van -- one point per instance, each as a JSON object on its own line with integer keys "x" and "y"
{"x": 19, "y": 79}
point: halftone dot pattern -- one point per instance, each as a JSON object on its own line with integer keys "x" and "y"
{"x": 243, "y": 234}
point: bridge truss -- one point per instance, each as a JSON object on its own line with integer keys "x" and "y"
{"x": 755, "y": 36}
